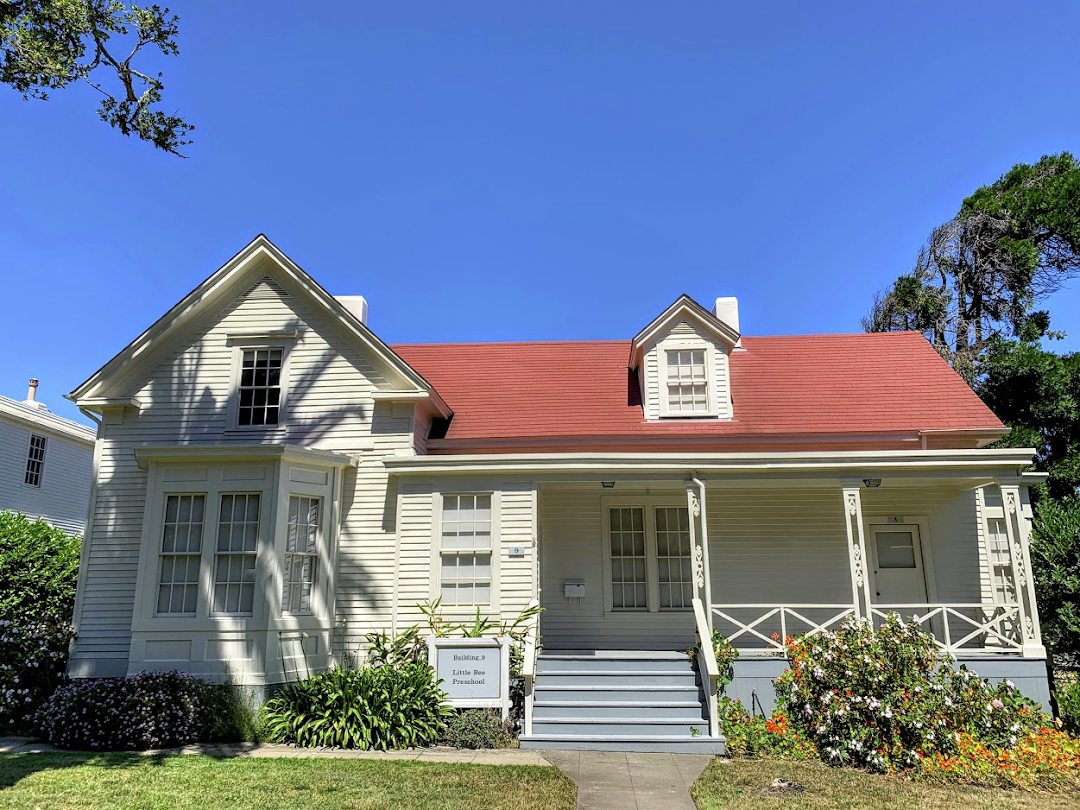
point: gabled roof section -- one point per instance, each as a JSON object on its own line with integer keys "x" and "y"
{"x": 801, "y": 387}
{"x": 684, "y": 307}
{"x": 38, "y": 418}
{"x": 212, "y": 291}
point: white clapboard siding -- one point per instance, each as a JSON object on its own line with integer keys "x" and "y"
{"x": 654, "y": 368}
{"x": 513, "y": 507}
{"x": 769, "y": 544}
{"x": 62, "y": 497}
{"x": 184, "y": 399}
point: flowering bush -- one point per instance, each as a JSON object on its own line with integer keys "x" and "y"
{"x": 882, "y": 699}
{"x": 747, "y": 736}
{"x": 1044, "y": 758}
{"x": 148, "y": 710}
{"x": 39, "y": 565}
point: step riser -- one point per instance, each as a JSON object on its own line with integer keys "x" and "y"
{"x": 610, "y": 679}
{"x": 544, "y": 693}
{"x": 654, "y": 712}
{"x": 601, "y": 729}
{"x": 693, "y": 745}
{"x": 549, "y": 665}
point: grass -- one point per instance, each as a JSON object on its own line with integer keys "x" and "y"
{"x": 65, "y": 781}
{"x": 738, "y": 785}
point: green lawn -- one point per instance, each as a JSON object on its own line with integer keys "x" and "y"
{"x": 739, "y": 785}
{"x": 130, "y": 782}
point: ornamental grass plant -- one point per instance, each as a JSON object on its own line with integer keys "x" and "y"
{"x": 373, "y": 707}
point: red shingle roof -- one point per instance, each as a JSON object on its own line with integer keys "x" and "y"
{"x": 800, "y": 385}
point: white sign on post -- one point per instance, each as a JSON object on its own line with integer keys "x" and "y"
{"x": 475, "y": 672}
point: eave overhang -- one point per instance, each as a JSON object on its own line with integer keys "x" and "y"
{"x": 212, "y": 453}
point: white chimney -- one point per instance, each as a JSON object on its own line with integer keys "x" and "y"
{"x": 726, "y": 310}
{"x": 31, "y": 397}
{"x": 356, "y": 304}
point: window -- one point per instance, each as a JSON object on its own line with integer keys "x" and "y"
{"x": 181, "y": 552}
{"x": 300, "y": 559}
{"x": 650, "y": 558}
{"x": 260, "y": 387}
{"x": 628, "y": 582}
{"x": 465, "y": 550}
{"x": 674, "y": 557}
{"x": 687, "y": 382}
{"x": 35, "y": 461}
{"x": 234, "y": 562}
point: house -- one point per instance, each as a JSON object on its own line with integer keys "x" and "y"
{"x": 47, "y": 463}
{"x": 274, "y": 482}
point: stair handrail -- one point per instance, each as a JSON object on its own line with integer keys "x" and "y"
{"x": 528, "y": 662}
{"x": 707, "y": 667}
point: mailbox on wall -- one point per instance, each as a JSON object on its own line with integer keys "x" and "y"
{"x": 574, "y": 588}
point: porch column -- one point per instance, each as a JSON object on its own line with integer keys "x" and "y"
{"x": 1018, "y": 531}
{"x": 856, "y": 542}
{"x": 699, "y": 544}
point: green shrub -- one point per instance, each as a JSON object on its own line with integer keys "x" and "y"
{"x": 747, "y": 736}
{"x": 405, "y": 648}
{"x": 478, "y": 728}
{"x": 1067, "y": 695}
{"x": 148, "y": 710}
{"x": 39, "y": 566}
{"x": 371, "y": 707}
{"x": 885, "y": 699}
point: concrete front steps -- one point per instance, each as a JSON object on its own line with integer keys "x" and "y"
{"x": 613, "y": 700}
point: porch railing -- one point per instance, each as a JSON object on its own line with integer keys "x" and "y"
{"x": 706, "y": 662}
{"x": 964, "y": 628}
{"x": 528, "y": 663}
{"x": 957, "y": 628}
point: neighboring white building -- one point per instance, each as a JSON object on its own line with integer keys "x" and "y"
{"x": 274, "y": 482}
{"x": 47, "y": 463}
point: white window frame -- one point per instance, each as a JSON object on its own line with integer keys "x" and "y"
{"x": 652, "y": 567}
{"x": 213, "y": 485}
{"x": 685, "y": 345}
{"x": 41, "y": 461}
{"x": 493, "y": 607}
{"x": 239, "y": 345}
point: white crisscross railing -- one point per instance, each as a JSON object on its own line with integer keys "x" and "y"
{"x": 782, "y": 620}
{"x": 987, "y": 628}
{"x": 956, "y": 628}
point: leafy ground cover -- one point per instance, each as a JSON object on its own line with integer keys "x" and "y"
{"x": 741, "y": 784}
{"x": 70, "y": 781}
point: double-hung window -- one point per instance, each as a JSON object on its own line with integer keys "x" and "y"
{"x": 687, "y": 382}
{"x": 300, "y": 559}
{"x": 465, "y": 550}
{"x": 230, "y": 551}
{"x": 181, "y": 554}
{"x": 650, "y": 558}
{"x": 259, "y": 390}
{"x": 35, "y": 460}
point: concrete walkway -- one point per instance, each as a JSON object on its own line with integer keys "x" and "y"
{"x": 617, "y": 781}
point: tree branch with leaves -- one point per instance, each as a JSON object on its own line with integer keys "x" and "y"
{"x": 47, "y": 45}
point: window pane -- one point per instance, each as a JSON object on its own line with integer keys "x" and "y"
{"x": 260, "y": 387}
{"x": 673, "y": 557}
{"x": 35, "y": 461}
{"x": 300, "y": 559}
{"x": 181, "y": 545}
{"x": 895, "y": 549}
{"x": 234, "y": 564}
{"x": 627, "y": 540}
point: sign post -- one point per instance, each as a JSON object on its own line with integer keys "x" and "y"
{"x": 475, "y": 672}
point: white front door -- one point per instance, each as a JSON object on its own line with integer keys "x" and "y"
{"x": 898, "y": 564}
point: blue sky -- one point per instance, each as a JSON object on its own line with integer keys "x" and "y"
{"x": 512, "y": 171}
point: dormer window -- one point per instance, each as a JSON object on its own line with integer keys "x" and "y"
{"x": 687, "y": 382}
